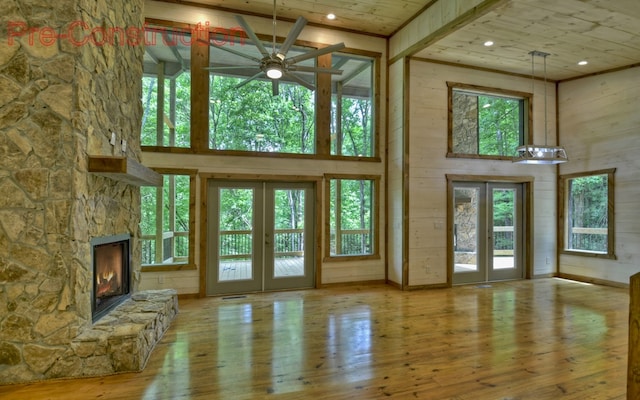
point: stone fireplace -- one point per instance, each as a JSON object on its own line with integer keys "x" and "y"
{"x": 60, "y": 102}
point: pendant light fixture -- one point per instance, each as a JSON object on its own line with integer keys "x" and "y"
{"x": 538, "y": 154}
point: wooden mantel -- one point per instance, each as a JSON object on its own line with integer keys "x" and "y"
{"x": 124, "y": 169}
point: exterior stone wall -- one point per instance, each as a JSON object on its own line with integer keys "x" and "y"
{"x": 465, "y": 123}
{"x": 60, "y": 99}
{"x": 465, "y": 220}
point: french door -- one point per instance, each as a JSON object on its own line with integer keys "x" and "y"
{"x": 487, "y": 231}
{"x": 260, "y": 236}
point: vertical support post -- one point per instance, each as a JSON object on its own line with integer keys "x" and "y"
{"x": 323, "y": 107}
{"x": 160, "y": 106}
{"x": 633, "y": 366}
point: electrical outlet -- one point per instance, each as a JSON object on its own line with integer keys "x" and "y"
{"x": 124, "y": 146}
{"x": 113, "y": 139}
{"x": 548, "y": 260}
{"x": 161, "y": 279}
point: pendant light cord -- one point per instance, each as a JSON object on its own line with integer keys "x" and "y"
{"x": 533, "y": 77}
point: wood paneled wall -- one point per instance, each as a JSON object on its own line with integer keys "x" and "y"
{"x": 599, "y": 126}
{"x": 395, "y": 174}
{"x": 427, "y": 127}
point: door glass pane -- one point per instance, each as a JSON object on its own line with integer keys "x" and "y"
{"x": 504, "y": 217}
{"x": 288, "y": 232}
{"x": 235, "y": 232}
{"x": 465, "y": 239}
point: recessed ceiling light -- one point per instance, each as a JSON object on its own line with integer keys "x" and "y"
{"x": 583, "y": 62}
{"x": 331, "y": 16}
{"x": 488, "y": 43}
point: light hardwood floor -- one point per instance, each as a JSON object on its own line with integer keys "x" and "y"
{"x": 540, "y": 339}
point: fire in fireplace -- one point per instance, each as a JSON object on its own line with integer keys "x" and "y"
{"x": 111, "y": 260}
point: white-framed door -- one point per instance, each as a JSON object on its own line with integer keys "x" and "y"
{"x": 488, "y": 231}
{"x": 260, "y": 236}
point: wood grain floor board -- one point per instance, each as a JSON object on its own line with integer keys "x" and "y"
{"x": 540, "y": 339}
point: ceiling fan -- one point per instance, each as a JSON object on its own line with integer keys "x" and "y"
{"x": 275, "y": 64}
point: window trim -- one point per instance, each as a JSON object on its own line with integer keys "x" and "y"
{"x": 490, "y": 91}
{"x": 190, "y": 264}
{"x": 563, "y": 204}
{"x": 375, "y": 217}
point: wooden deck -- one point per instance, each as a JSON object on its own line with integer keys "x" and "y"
{"x": 238, "y": 270}
{"x": 498, "y": 263}
{"x": 542, "y": 339}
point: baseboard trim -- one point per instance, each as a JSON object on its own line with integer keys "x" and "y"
{"x": 595, "y": 281}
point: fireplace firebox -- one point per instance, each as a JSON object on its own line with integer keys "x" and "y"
{"x": 111, "y": 272}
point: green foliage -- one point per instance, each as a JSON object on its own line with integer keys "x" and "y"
{"x": 175, "y": 192}
{"x": 499, "y": 125}
{"x": 355, "y": 199}
{"x": 356, "y": 129}
{"x": 503, "y": 207}
{"x": 250, "y": 118}
{"x": 181, "y": 136}
{"x": 588, "y": 208}
{"x": 236, "y": 209}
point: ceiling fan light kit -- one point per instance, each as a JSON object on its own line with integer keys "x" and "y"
{"x": 538, "y": 154}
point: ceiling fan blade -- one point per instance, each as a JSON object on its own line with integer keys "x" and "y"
{"x": 300, "y": 81}
{"x": 292, "y": 36}
{"x": 231, "y": 68}
{"x": 315, "y": 53}
{"x": 302, "y": 68}
{"x": 275, "y": 87}
{"x": 244, "y": 82}
{"x": 232, "y": 51}
{"x": 252, "y": 36}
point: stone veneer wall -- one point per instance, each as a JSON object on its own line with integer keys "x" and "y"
{"x": 465, "y": 123}
{"x": 59, "y": 101}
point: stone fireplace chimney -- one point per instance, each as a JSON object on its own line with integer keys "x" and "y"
{"x": 70, "y": 77}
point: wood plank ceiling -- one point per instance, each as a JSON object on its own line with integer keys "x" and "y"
{"x": 606, "y": 33}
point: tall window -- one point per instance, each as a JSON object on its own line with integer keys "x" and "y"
{"x": 588, "y": 200}
{"x": 352, "y": 131}
{"x": 352, "y": 209}
{"x": 167, "y": 221}
{"x": 487, "y": 123}
{"x": 166, "y": 88}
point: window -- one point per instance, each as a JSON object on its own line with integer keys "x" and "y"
{"x": 166, "y": 88}
{"x": 167, "y": 221}
{"x": 487, "y": 123}
{"x": 588, "y": 224}
{"x": 352, "y": 209}
{"x": 231, "y": 107}
{"x": 352, "y": 131}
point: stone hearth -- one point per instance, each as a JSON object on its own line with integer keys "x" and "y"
{"x": 122, "y": 340}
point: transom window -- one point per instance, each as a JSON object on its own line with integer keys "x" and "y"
{"x": 352, "y": 130}
{"x": 166, "y": 88}
{"x": 486, "y": 122}
{"x": 588, "y": 206}
{"x": 243, "y": 110}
